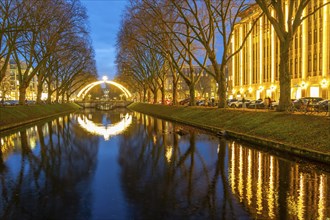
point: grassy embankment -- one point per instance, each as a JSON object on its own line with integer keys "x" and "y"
{"x": 303, "y": 135}
{"x": 12, "y": 116}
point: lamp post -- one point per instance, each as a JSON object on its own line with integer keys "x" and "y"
{"x": 106, "y": 93}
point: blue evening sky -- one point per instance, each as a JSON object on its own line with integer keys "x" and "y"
{"x": 104, "y": 22}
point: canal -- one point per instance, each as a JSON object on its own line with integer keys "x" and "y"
{"x": 125, "y": 165}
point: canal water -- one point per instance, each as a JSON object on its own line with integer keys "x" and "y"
{"x": 126, "y": 165}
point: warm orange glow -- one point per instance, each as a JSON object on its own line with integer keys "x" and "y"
{"x": 240, "y": 174}
{"x": 249, "y": 178}
{"x": 271, "y": 194}
{"x": 87, "y": 88}
{"x": 169, "y": 153}
{"x": 261, "y": 48}
{"x": 322, "y": 199}
{"x": 233, "y": 60}
{"x": 103, "y": 130}
{"x": 325, "y": 38}
{"x": 273, "y": 51}
{"x": 259, "y": 185}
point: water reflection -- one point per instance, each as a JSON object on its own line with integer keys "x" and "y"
{"x": 72, "y": 168}
{"x": 45, "y": 166}
{"x": 271, "y": 187}
{"x": 105, "y": 130}
{"x": 202, "y": 176}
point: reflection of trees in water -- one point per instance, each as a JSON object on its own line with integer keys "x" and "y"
{"x": 165, "y": 175}
{"x": 49, "y": 181}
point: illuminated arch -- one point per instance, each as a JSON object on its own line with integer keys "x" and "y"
{"x": 87, "y": 88}
{"x": 105, "y": 131}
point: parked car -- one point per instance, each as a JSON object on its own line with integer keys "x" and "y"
{"x": 202, "y": 102}
{"x": 257, "y": 104}
{"x": 274, "y": 105}
{"x": 11, "y": 102}
{"x": 306, "y": 100}
{"x": 184, "y": 101}
{"x": 30, "y": 102}
{"x": 239, "y": 103}
{"x": 229, "y": 101}
{"x": 323, "y": 105}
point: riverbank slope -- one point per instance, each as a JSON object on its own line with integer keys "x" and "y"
{"x": 13, "y": 116}
{"x": 302, "y": 135}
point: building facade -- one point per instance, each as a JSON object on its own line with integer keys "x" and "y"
{"x": 205, "y": 89}
{"x": 254, "y": 71}
{"x": 9, "y": 87}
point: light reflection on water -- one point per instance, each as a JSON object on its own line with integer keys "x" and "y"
{"x": 105, "y": 130}
{"x": 55, "y": 169}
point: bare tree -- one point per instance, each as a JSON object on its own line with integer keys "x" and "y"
{"x": 286, "y": 27}
{"x": 211, "y": 21}
{"x": 138, "y": 54}
{"x": 12, "y": 25}
{"x": 42, "y": 36}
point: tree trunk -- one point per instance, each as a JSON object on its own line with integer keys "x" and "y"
{"x": 285, "y": 77}
{"x": 22, "y": 94}
{"x": 222, "y": 88}
{"x": 49, "y": 98}
{"x": 192, "y": 94}
{"x": 68, "y": 97}
{"x": 144, "y": 94}
{"x": 140, "y": 95}
{"x": 220, "y": 80}
{"x": 155, "y": 93}
{"x": 175, "y": 92}
{"x": 163, "y": 93}
{"x": 148, "y": 96}
{"x": 57, "y": 97}
{"x": 39, "y": 92}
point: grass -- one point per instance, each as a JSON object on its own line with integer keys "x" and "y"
{"x": 17, "y": 115}
{"x": 308, "y": 132}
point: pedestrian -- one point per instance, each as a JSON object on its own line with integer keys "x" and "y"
{"x": 269, "y": 102}
{"x": 266, "y": 103}
{"x": 243, "y": 103}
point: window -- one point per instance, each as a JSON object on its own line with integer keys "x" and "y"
{"x": 296, "y": 42}
{"x": 291, "y": 67}
{"x": 309, "y": 37}
{"x": 314, "y": 64}
{"x": 314, "y": 91}
{"x": 320, "y": 62}
{"x": 315, "y": 36}
{"x": 295, "y": 68}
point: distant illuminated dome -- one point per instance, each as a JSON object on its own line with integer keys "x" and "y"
{"x": 105, "y": 131}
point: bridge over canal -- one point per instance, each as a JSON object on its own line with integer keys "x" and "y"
{"x": 104, "y": 105}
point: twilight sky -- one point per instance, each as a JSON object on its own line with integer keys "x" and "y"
{"x": 104, "y": 21}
